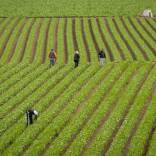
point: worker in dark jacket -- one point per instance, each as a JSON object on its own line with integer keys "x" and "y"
{"x": 76, "y": 58}
{"x": 52, "y": 57}
{"x": 102, "y": 57}
{"x": 29, "y": 114}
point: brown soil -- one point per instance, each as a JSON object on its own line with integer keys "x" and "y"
{"x": 21, "y": 54}
{"x": 135, "y": 40}
{"x": 84, "y": 40}
{"x": 104, "y": 40}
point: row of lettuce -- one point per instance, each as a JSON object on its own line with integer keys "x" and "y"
{"x": 30, "y": 39}
{"x": 90, "y": 110}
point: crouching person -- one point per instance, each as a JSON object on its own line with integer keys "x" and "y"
{"x": 30, "y": 113}
{"x": 102, "y": 57}
{"x": 76, "y": 59}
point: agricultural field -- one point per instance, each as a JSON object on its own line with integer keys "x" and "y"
{"x": 29, "y": 40}
{"x": 91, "y": 110}
{"x": 75, "y": 7}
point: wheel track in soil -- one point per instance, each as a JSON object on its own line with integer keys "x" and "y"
{"x": 37, "y": 87}
{"x": 93, "y": 36}
{"x": 114, "y": 39}
{"x": 141, "y": 36}
{"x": 65, "y": 41}
{"x": 108, "y": 113}
{"x": 104, "y": 40}
{"x": 148, "y": 141}
{"x": 119, "y": 124}
{"x": 91, "y": 113}
{"x": 74, "y": 35}
{"x": 133, "y": 55}
{"x": 45, "y": 41}
{"x": 15, "y": 42}
{"x": 85, "y": 41}
{"x": 134, "y": 40}
{"x": 8, "y": 37}
{"x": 55, "y": 43}
{"x": 35, "y": 42}
{"x": 139, "y": 119}
{"x": 22, "y": 51}
{"x": 90, "y": 93}
{"x": 43, "y": 128}
{"x": 146, "y": 30}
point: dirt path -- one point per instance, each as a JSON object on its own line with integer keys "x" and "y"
{"x": 84, "y": 40}
{"x": 89, "y": 115}
{"x": 46, "y": 41}
{"x": 135, "y": 41}
{"x": 141, "y": 36}
{"x": 139, "y": 119}
{"x": 8, "y": 37}
{"x": 22, "y": 51}
{"x": 55, "y": 44}
{"x": 114, "y": 40}
{"x": 35, "y": 42}
{"x": 93, "y": 36}
{"x": 74, "y": 35}
{"x": 104, "y": 40}
{"x": 124, "y": 40}
{"x": 65, "y": 41}
{"x": 126, "y": 111}
{"x": 15, "y": 42}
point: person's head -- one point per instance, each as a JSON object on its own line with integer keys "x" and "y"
{"x": 52, "y": 50}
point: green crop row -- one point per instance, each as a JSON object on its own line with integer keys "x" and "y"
{"x": 83, "y": 137}
{"x": 48, "y": 99}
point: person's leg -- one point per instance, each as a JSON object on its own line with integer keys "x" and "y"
{"x": 31, "y": 120}
{"x": 75, "y": 63}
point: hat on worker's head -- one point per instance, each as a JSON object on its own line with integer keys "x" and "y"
{"x": 52, "y": 50}
{"x": 77, "y": 52}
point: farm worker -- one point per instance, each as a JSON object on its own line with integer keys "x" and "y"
{"x": 102, "y": 57}
{"x": 29, "y": 114}
{"x": 52, "y": 57}
{"x": 76, "y": 58}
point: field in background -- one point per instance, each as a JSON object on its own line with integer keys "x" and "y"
{"x": 75, "y": 7}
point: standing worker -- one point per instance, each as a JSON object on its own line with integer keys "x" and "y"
{"x": 29, "y": 114}
{"x": 52, "y": 57}
{"x": 102, "y": 57}
{"x": 76, "y": 58}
